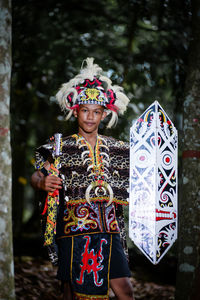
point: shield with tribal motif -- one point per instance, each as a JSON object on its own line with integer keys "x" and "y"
{"x": 153, "y": 183}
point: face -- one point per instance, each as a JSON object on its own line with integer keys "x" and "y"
{"x": 89, "y": 117}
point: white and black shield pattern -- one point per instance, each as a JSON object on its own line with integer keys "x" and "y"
{"x": 153, "y": 183}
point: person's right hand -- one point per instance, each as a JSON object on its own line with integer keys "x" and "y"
{"x": 50, "y": 183}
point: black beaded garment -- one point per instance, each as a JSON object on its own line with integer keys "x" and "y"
{"x": 95, "y": 184}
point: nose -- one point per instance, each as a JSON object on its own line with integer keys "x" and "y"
{"x": 90, "y": 115}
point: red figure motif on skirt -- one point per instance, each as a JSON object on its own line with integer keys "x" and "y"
{"x": 91, "y": 262}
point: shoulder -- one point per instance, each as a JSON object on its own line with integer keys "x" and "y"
{"x": 45, "y": 149}
{"x": 49, "y": 145}
{"x": 115, "y": 143}
{"x": 70, "y": 140}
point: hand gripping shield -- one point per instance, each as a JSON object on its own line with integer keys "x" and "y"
{"x": 153, "y": 183}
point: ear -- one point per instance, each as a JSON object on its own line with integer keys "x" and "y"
{"x": 75, "y": 113}
{"x": 103, "y": 115}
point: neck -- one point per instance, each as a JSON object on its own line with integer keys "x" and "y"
{"x": 91, "y": 138}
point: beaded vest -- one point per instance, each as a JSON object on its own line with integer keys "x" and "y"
{"x": 95, "y": 184}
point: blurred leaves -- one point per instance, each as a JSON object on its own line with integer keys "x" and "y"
{"x": 22, "y": 180}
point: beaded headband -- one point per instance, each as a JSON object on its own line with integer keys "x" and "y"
{"x": 91, "y": 87}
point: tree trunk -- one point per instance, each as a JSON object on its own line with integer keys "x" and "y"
{"x": 6, "y": 250}
{"x": 188, "y": 273}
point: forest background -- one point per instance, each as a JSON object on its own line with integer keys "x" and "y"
{"x": 152, "y": 49}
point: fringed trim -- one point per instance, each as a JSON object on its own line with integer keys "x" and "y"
{"x": 98, "y": 199}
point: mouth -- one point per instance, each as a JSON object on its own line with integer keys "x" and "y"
{"x": 90, "y": 124}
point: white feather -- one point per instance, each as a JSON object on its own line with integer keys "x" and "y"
{"x": 89, "y": 70}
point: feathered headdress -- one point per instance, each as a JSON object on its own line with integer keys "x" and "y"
{"x": 91, "y": 87}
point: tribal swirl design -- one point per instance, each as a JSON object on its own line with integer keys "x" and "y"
{"x": 81, "y": 219}
{"x": 153, "y": 183}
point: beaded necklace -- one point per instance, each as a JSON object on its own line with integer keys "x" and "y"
{"x": 97, "y": 162}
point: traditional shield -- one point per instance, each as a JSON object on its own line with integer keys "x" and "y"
{"x": 153, "y": 183}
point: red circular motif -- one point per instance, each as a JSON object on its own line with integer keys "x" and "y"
{"x": 142, "y": 158}
{"x": 167, "y": 159}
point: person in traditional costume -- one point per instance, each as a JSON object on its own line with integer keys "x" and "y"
{"x": 90, "y": 178}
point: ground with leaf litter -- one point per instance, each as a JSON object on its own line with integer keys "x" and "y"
{"x": 35, "y": 279}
